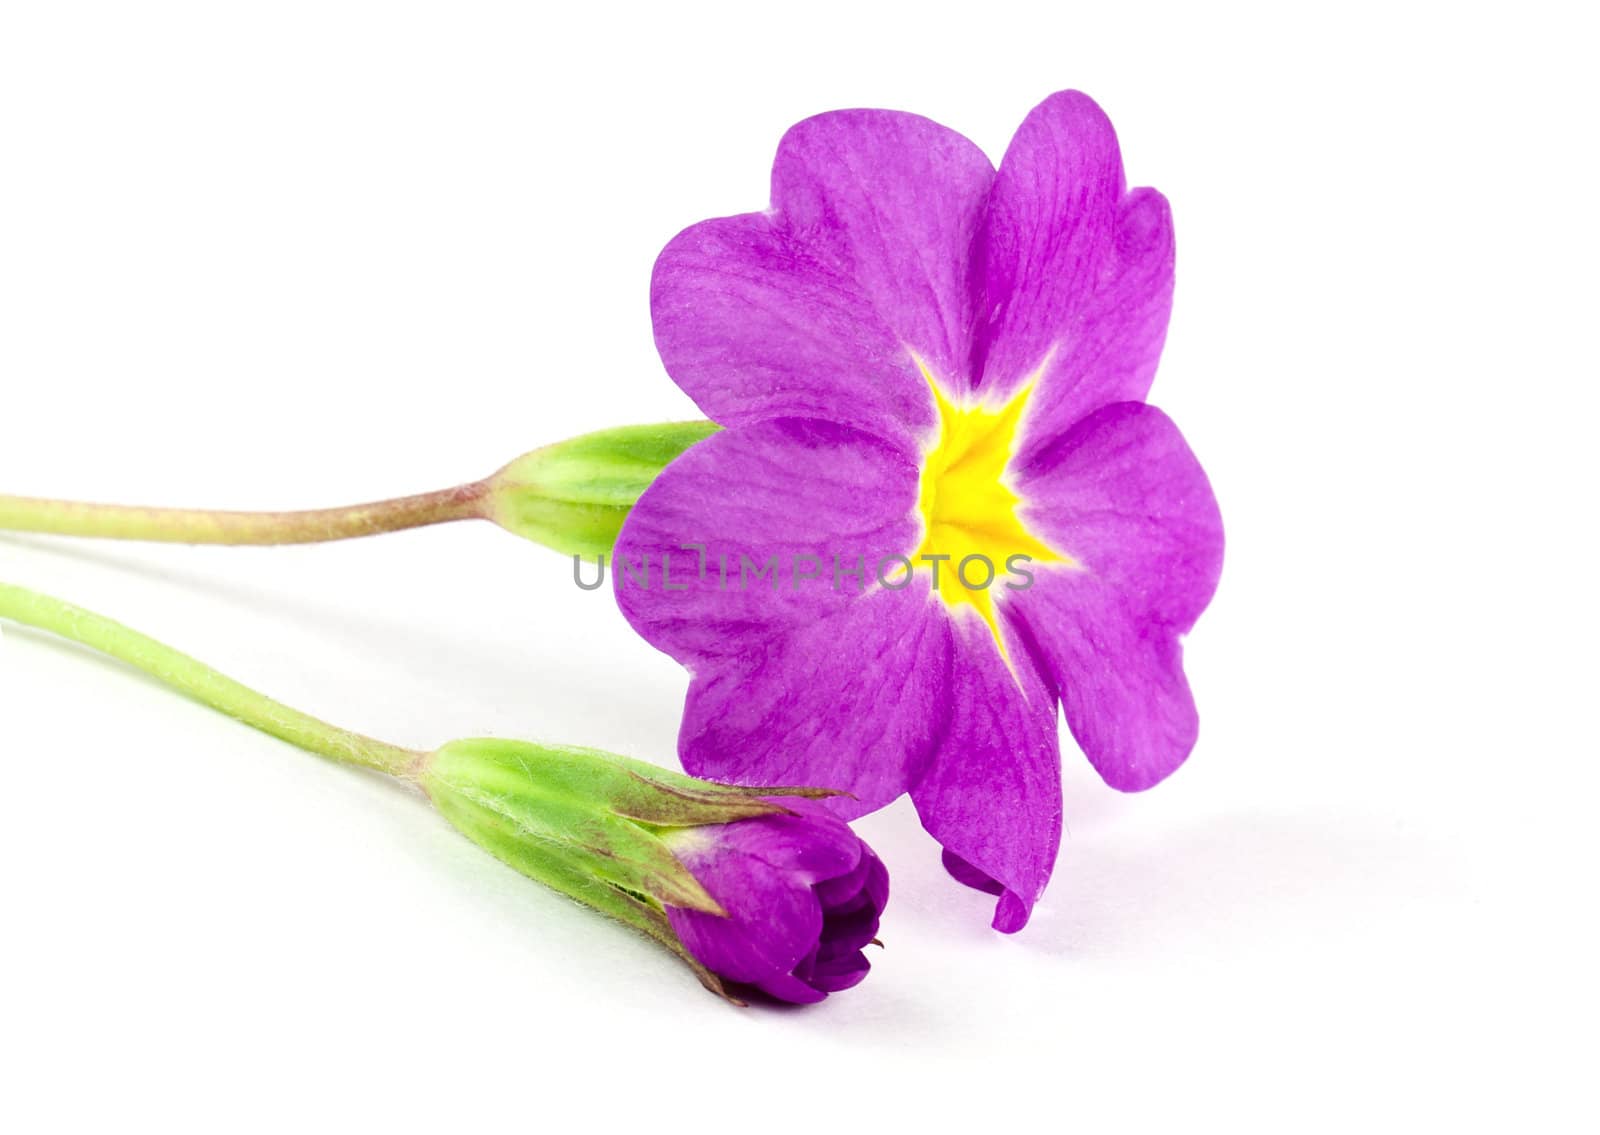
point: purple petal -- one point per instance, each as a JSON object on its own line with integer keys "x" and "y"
{"x": 877, "y": 887}
{"x": 787, "y": 492}
{"x": 844, "y": 890}
{"x": 992, "y": 794}
{"x": 1078, "y": 271}
{"x": 773, "y": 919}
{"x": 845, "y": 973}
{"x": 812, "y": 308}
{"x": 1123, "y": 495}
{"x": 854, "y": 702}
{"x": 813, "y": 846}
{"x": 776, "y": 936}
{"x": 870, "y": 879}
{"x": 787, "y": 987}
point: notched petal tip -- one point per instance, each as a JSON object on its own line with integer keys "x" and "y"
{"x": 1145, "y": 222}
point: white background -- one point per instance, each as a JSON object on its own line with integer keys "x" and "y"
{"x": 288, "y": 255}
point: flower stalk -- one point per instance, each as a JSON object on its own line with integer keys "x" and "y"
{"x": 753, "y": 888}
{"x": 572, "y": 497}
{"x": 179, "y": 671}
{"x": 210, "y": 526}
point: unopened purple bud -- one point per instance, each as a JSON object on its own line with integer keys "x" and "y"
{"x": 756, "y": 888}
{"x": 802, "y": 895}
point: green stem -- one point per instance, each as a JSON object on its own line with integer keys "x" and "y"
{"x": 201, "y": 682}
{"x": 201, "y": 526}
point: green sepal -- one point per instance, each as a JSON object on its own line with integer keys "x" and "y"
{"x": 559, "y": 801}
{"x": 573, "y": 496}
{"x": 738, "y": 801}
{"x": 593, "y": 825}
{"x": 566, "y": 873}
{"x": 608, "y": 810}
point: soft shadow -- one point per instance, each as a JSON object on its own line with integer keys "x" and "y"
{"x": 1235, "y": 878}
{"x": 323, "y": 616}
{"x": 571, "y": 689}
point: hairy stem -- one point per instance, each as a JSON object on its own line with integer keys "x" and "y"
{"x": 202, "y": 683}
{"x": 202, "y": 526}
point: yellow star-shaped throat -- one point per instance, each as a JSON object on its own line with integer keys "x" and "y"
{"x": 967, "y": 507}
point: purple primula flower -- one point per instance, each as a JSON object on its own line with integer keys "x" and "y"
{"x": 925, "y": 364}
{"x": 802, "y": 895}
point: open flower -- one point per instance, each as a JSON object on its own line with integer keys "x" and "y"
{"x": 940, "y": 507}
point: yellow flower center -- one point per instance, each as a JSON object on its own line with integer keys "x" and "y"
{"x": 969, "y": 512}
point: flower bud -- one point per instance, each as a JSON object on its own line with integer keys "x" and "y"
{"x": 802, "y": 896}
{"x": 573, "y": 496}
{"x": 755, "y": 888}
